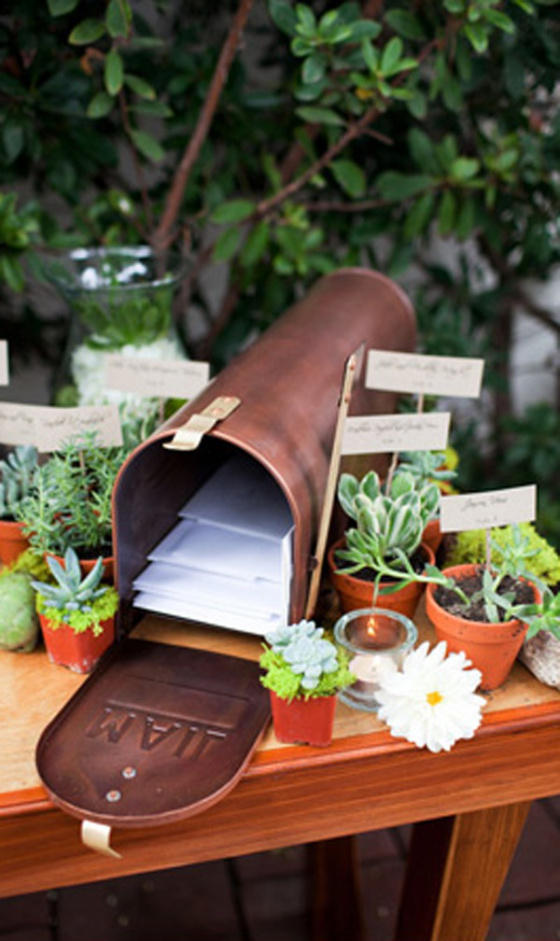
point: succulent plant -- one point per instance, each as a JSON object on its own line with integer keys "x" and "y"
{"x": 19, "y": 626}
{"x": 426, "y": 466}
{"x": 19, "y": 472}
{"x": 71, "y": 592}
{"x": 300, "y": 661}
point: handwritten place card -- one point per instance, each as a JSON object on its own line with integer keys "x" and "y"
{"x": 429, "y": 375}
{"x": 487, "y": 509}
{"x": 4, "y": 371}
{"x": 48, "y": 427}
{"x": 375, "y": 434}
{"x": 160, "y": 378}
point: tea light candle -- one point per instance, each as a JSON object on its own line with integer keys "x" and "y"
{"x": 373, "y": 636}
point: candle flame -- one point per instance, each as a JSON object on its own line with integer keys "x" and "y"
{"x": 371, "y": 626}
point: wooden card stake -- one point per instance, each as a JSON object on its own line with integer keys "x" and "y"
{"x": 4, "y": 369}
{"x": 156, "y": 378}
{"x": 351, "y": 372}
{"x": 377, "y": 434}
{"x": 487, "y": 509}
{"x": 48, "y": 427}
{"x": 424, "y": 375}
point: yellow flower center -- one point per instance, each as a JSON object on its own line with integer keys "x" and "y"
{"x": 363, "y": 93}
{"x": 434, "y": 698}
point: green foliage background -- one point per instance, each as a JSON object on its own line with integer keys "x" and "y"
{"x": 345, "y": 134}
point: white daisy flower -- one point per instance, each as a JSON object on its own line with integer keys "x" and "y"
{"x": 431, "y": 701}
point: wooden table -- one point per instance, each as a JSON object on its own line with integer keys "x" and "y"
{"x": 469, "y": 805}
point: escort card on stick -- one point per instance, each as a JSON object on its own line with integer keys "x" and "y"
{"x": 4, "y": 370}
{"x": 48, "y": 427}
{"x": 489, "y": 508}
{"x": 376, "y": 434}
{"x": 157, "y": 378}
{"x": 425, "y": 375}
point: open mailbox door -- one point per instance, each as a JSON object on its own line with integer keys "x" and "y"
{"x": 220, "y": 534}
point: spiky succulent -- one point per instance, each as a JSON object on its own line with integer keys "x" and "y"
{"x": 426, "y": 466}
{"x": 71, "y": 592}
{"x": 19, "y": 472}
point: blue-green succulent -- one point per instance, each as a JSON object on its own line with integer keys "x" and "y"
{"x": 300, "y": 661}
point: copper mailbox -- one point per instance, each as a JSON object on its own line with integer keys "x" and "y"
{"x": 279, "y": 438}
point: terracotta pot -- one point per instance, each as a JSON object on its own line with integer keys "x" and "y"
{"x": 86, "y": 565}
{"x": 78, "y": 652}
{"x": 355, "y": 592}
{"x": 492, "y": 648}
{"x": 12, "y": 541}
{"x": 306, "y": 721}
{"x": 432, "y": 535}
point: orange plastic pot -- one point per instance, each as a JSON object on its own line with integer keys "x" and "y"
{"x": 78, "y": 652}
{"x": 12, "y": 541}
{"x": 492, "y": 648}
{"x": 305, "y": 721}
{"x": 355, "y": 592}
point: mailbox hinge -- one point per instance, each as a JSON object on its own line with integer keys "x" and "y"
{"x": 188, "y": 436}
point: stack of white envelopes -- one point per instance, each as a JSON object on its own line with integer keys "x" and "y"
{"x": 228, "y": 560}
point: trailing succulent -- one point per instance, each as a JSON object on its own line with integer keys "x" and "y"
{"x": 19, "y": 473}
{"x": 301, "y": 662}
{"x": 389, "y": 526}
{"x": 79, "y": 602}
{"x": 543, "y": 562}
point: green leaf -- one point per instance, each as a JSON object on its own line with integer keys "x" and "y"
{"x": 139, "y": 87}
{"x": 419, "y": 216}
{"x": 227, "y": 244}
{"x": 464, "y": 168}
{"x": 422, "y": 150}
{"x": 236, "y": 210}
{"x": 466, "y": 219}
{"x": 116, "y": 18}
{"x": 87, "y": 31}
{"x": 391, "y": 55}
{"x": 256, "y": 243}
{"x": 370, "y": 54}
{"x": 147, "y": 145}
{"x": 11, "y": 272}
{"x": 114, "y": 72}
{"x": 418, "y": 106}
{"x": 100, "y": 105}
{"x": 60, "y": 7}
{"x": 446, "y": 213}
{"x": 364, "y": 29}
{"x": 283, "y": 16}
{"x": 320, "y": 116}
{"x": 394, "y": 186}
{"x": 477, "y": 36}
{"x": 349, "y": 176}
{"x": 405, "y": 24}
{"x": 12, "y": 139}
{"x": 500, "y": 20}
{"x": 313, "y": 69}
{"x": 158, "y": 108}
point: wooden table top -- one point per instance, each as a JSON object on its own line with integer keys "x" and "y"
{"x": 32, "y": 691}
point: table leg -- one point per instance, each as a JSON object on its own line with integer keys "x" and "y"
{"x": 336, "y": 912}
{"x": 456, "y": 868}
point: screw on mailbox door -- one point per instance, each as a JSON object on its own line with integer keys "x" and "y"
{"x": 129, "y": 772}
{"x": 113, "y": 796}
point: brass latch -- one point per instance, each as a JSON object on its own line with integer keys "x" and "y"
{"x": 188, "y": 436}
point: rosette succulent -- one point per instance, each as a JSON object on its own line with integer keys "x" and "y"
{"x": 79, "y": 602}
{"x": 300, "y": 661}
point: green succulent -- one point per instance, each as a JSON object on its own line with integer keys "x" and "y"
{"x": 19, "y": 626}
{"x": 543, "y": 562}
{"x": 301, "y": 662}
{"x": 81, "y": 603}
{"x": 426, "y": 466}
{"x": 389, "y": 526}
{"x": 19, "y": 473}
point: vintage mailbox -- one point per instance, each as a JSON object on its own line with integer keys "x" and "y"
{"x": 215, "y": 518}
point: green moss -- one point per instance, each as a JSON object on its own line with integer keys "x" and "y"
{"x": 470, "y": 547}
{"x": 80, "y": 621}
{"x": 31, "y": 563}
{"x": 287, "y": 685}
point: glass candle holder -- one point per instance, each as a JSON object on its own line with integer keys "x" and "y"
{"x": 372, "y": 636}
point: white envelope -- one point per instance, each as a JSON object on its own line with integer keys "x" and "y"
{"x": 207, "y": 615}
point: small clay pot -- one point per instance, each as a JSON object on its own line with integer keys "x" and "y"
{"x": 432, "y": 535}
{"x": 12, "y": 541}
{"x": 355, "y": 592}
{"x": 492, "y": 648}
{"x": 79, "y": 652}
{"x": 304, "y": 721}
